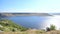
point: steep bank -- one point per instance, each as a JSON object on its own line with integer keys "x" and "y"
{"x": 8, "y": 25}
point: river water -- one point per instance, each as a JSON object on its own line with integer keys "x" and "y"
{"x": 36, "y": 22}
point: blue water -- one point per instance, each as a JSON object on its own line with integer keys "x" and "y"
{"x": 29, "y": 21}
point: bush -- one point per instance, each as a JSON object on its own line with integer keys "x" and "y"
{"x": 13, "y": 30}
{"x": 47, "y": 29}
{"x": 52, "y": 27}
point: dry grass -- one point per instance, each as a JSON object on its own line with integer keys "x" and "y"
{"x": 32, "y": 32}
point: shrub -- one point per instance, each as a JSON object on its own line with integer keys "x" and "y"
{"x": 48, "y": 29}
{"x": 52, "y": 27}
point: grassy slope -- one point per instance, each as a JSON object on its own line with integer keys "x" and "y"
{"x": 8, "y": 25}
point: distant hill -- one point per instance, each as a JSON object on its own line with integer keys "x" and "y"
{"x": 56, "y": 13}
{"x": 8, "y": 25}
{"x": 25, "y": 14}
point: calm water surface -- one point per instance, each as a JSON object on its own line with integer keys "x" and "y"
{"x": 38, "y": 22}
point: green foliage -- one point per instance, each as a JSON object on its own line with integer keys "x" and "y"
{"x": 8, "y": 25}
{"x": 52, "y": 27}
{"x": 2, "y": 29}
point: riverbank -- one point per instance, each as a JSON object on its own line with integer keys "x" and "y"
{"x": 33, "y": 32}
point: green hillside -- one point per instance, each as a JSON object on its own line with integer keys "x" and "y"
{"x": 8, "y": 25}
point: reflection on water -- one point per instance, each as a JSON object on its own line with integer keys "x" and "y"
{"x": 55, "y": 20}
{"x": 38, "y": 22}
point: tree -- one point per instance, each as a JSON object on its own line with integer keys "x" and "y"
{"x": 52, "y": 27}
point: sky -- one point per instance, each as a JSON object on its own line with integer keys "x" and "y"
{"x": 35, "y": 6}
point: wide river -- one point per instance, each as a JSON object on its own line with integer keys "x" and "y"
{"x": 38, "y": 22}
